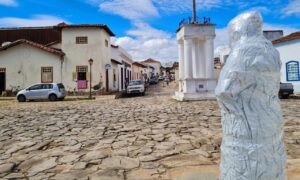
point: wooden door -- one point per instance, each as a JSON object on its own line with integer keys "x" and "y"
{"x": 107, "y": 80}
{"x": 2, "y": 80}
{"x": 122, "y": 79}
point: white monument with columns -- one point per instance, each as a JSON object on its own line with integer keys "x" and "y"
{"x": 196, "y": 61}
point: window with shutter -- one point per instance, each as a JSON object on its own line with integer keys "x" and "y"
{"x": 292, "y": 71}
{"x": 47, "y": 74}
{"x": 82, "y": 72}
{"x": 82, "y": 40}
{"x": 74, "y": 75}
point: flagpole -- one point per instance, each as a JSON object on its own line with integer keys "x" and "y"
{"x": 194, "y": 12}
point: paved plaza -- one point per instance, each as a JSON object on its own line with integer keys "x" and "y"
{"x": 137, "y": 138}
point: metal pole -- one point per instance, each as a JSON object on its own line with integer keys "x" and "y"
{"x": 90, "y": 81}
{"x": 194, "y": 12}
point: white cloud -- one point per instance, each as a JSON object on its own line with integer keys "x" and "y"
{"x": 140, "y": 9}
{"x": 221, "y": 37}
{"x": 176, "y": 6}
{"x": 133, "y": 9}
{"x": 137, "y": 9}
{"x": 286, "y": 29}
{"x": 262, "y": 9}
{"x": 8, "y": 2}
{"x": 144, "y": 42}
{"x": 145, "y": 31}
{"x": 293, "y": 8}
{"x": 37, "y": 20}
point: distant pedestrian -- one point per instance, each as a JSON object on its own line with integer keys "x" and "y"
{"x": 167, "y": 80}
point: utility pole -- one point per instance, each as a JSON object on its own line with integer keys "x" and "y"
{"x": 194, "y": 12}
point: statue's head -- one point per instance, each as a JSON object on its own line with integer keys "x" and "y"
{"x": 245, "y": 25}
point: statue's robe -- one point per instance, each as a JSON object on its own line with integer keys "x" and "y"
{"x": 247, "y": 92}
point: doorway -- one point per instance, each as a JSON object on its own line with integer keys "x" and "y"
{"x": 2, "y": 80}
{"x": 122, "y": 79}
{"x": 107, "y": 81}
{"x": 82, "y": 73}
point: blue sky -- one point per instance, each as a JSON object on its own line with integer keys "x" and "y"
{"x": 146, "y": 28}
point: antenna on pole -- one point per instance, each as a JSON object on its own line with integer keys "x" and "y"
{"x": 194, "y": 12}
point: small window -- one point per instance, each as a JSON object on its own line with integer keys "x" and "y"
{"x": 47, "y": 74}
{"x": 106, "y": 43}
{"x": 81, "y": 72}
{"x": 292, "y": 71}
{"x": 82, "y": 40}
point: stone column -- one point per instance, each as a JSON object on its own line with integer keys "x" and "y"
{"x": 209, "y": 53}
{"x": 196, "y": 58}
{"x": 188, "y": 63}
{"x": 202, "y": 60}
{"x": 181, "y": 59}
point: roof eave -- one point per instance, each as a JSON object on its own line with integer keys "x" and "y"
{"x": 23, "y": 41}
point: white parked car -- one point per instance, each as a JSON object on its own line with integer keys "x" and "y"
{"x": 161, "y": 78}
{"x": 136, "y": 87}
{"x": 50, "y": 91}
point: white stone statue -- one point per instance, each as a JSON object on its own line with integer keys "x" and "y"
{"x": 247, "y": 92}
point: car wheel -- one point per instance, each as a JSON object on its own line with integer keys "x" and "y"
{"x": 21, "y": 98}
{"x": 143, "y": 93}
{"x": 52, "y": 97}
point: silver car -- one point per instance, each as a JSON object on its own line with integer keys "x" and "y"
{"x": 136, "y": 87}
{"x": 50, "y": 91}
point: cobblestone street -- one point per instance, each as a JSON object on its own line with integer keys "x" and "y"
{"x": 138, "y": 138}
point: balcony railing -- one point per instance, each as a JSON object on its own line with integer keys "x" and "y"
{"x": 199, "y": 20}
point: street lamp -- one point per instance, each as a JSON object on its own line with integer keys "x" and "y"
{"x": 91, "y": 63}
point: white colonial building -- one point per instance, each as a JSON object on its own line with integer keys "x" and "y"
{"x": 154, "y": 67}
{"x": 121, "y": 68}
{"x": 61, "y": 54}
{"x": 23, "y": 63}
{"x": 289, "y": 49}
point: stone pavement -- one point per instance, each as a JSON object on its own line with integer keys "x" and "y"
{"x": 139, "y": 138}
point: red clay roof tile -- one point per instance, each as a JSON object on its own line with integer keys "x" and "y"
{"x": 287, "y": 38}
{"x": 36, "y": 45}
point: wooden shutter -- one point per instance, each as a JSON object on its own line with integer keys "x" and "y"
{"x": 47, "y": 74}
{"x": 74, "y": 76}
{"x": 88, "y": 76}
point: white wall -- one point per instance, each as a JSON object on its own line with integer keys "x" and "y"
{"x": 120, "y": 55}
{"x": 156, "y": 66}
{"x": 115, "y": 54}
{"x": 116, "y": 83}
{"x": 289, "y": 51}
{"x": 23, "y": 65}
{"x": 224, "y": 53}
{"x": 79, "y": 54}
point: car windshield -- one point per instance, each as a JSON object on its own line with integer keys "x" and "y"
{"x": 133, "y": 83}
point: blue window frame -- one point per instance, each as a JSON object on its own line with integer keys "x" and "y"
{"x": 292, "y": 71}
